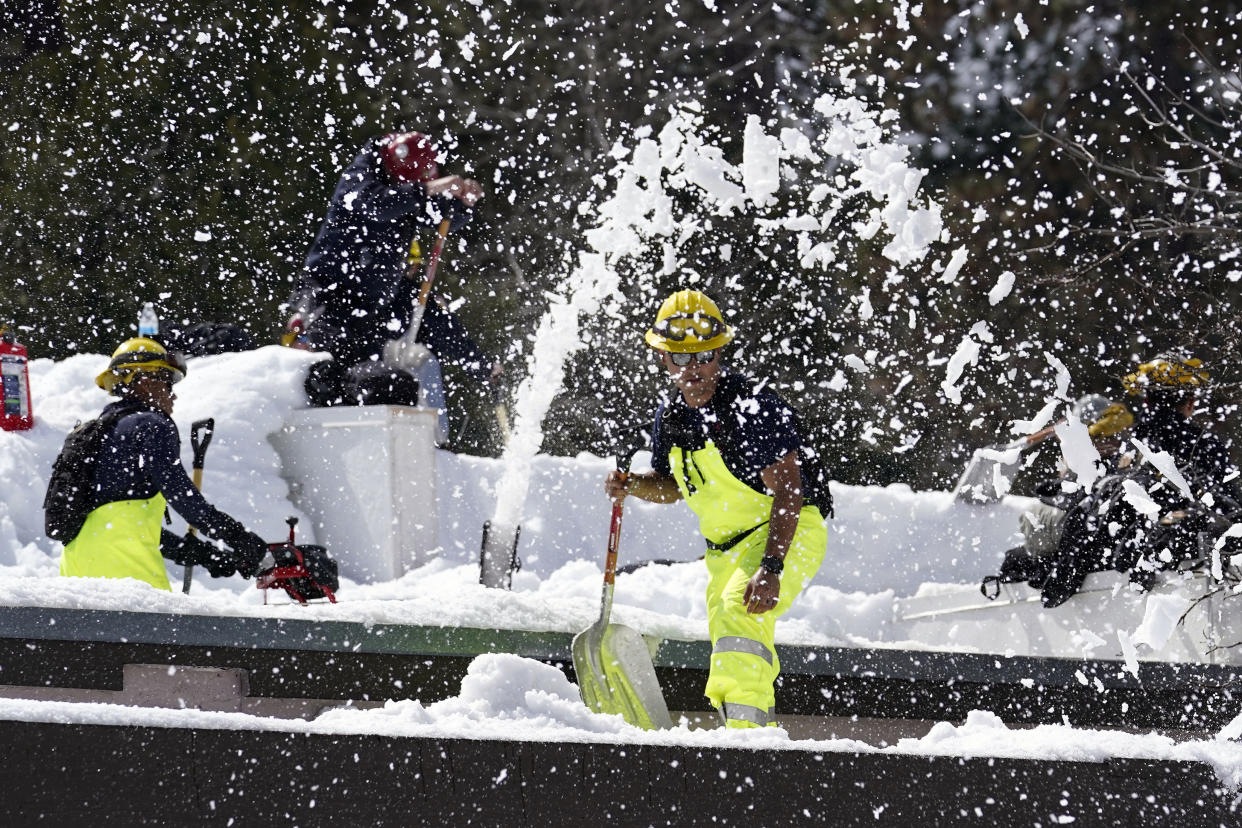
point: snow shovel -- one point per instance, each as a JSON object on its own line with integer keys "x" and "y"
{"x": 401, "y": 351}
{"x": 992, "y": 469}
{"x": 612, "y": 662}
{"x": 200, "y": 438}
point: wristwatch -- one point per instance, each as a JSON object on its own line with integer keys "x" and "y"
{"x": 774, "y": 565}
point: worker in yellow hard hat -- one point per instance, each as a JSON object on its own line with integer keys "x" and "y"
{"x": 116, "y": 474}
{"x": 731, "y": 449}
{"x": 1171, "y": 387}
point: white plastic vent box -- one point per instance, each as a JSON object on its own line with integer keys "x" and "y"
{"x": 366, "y": 476}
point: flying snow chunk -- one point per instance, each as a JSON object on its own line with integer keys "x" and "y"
{"x": 1002, "y": 288}
{"x": 865, "y": 310}
{"x": 1081, "y": 455}
{"x": 1129, "y": 653}
{"x": 913, "y": 232}
{"x": 1161, "y": 615}
{"x": 856, "y": 363}
{"x": 955, "y": 265}
{"x": 1167, "y": 466}
{"x": 1041, "y": 419}
{"x": 761, "y": 163}
{"x": 1021, "y": 26}
{"x": 203, "y": 37}
{"x": 1137, "y": 497}
{"x": 967, "y": 354}
{"x": 202, "y": 235}
{"x": 1063, "y": 375}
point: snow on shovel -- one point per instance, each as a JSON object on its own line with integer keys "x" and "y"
{"x": 612, "y": 662}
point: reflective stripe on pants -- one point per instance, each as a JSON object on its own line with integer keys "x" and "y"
{"x": 743, "y": 715}
{"x": 738, "y": 644}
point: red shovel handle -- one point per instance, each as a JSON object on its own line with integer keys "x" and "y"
{"x": 614, "y": 528}
{"x": 614, "y": 542}
{"x": 442, "y": 232}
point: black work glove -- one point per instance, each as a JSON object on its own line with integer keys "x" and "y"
{"x": 188, "y": 551}
{"x": 246, "y": 548}
{"x": 248, "y": 552}
{"x": 194, "y": 551}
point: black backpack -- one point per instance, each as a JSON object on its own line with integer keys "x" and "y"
{"x": 71, "y": 489}
{"x": 329, "y": 383}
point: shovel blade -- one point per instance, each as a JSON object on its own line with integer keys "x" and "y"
{"x": 987, "y": 477}
{"x": 615, "y": 675}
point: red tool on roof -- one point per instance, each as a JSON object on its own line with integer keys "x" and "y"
{"x": 305, "y": 572}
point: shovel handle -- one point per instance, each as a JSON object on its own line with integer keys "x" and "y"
{"x": 201, "y": 433}
{"x": 614, "y": 528}
{"x": 441, "y": 234}
{"x": 614, "y": 542}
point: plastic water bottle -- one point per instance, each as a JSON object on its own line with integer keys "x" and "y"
{"x": 148, "y": 322}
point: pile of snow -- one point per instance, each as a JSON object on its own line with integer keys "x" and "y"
{"x": 884, "y": 543}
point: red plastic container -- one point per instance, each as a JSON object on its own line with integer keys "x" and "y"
{"x": 16, "y": 414}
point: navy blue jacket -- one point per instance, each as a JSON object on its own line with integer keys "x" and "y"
{"x": 355, "y": 270}
{"x": 142, "y": 456}
{"x": 750, "y": 425}
{"x": 1164, "y": 429}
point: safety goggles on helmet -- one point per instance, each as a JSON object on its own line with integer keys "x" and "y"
{"x": 699, "y": 326}
{"x": 681, "y": 360}
{"x": 169, "y": 364}
{"x": 688, "y": 321}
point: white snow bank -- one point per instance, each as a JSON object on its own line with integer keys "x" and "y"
{"x": 885, "y": 542}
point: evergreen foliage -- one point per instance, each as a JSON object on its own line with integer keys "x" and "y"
{"x": 185, "y": 155}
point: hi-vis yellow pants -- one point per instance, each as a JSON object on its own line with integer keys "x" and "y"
{"x": 120, "y": 540}
{"x": 744, "y": 665}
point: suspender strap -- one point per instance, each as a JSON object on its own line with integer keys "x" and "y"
{"x": 735, "y": 540}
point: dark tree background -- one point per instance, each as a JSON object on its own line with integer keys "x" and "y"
{"x": 185, "y": 156}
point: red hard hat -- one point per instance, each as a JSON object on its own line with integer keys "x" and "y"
{"x": 409, "y": 156}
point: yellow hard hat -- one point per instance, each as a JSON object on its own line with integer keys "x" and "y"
{"x": 1169, "y": 372}
{"x": 134, "y": 356}
{"x": 688, "y": 322}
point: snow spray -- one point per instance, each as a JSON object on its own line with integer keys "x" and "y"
{"x": 643, "y": 211}
{"x": 16, "y": 415}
